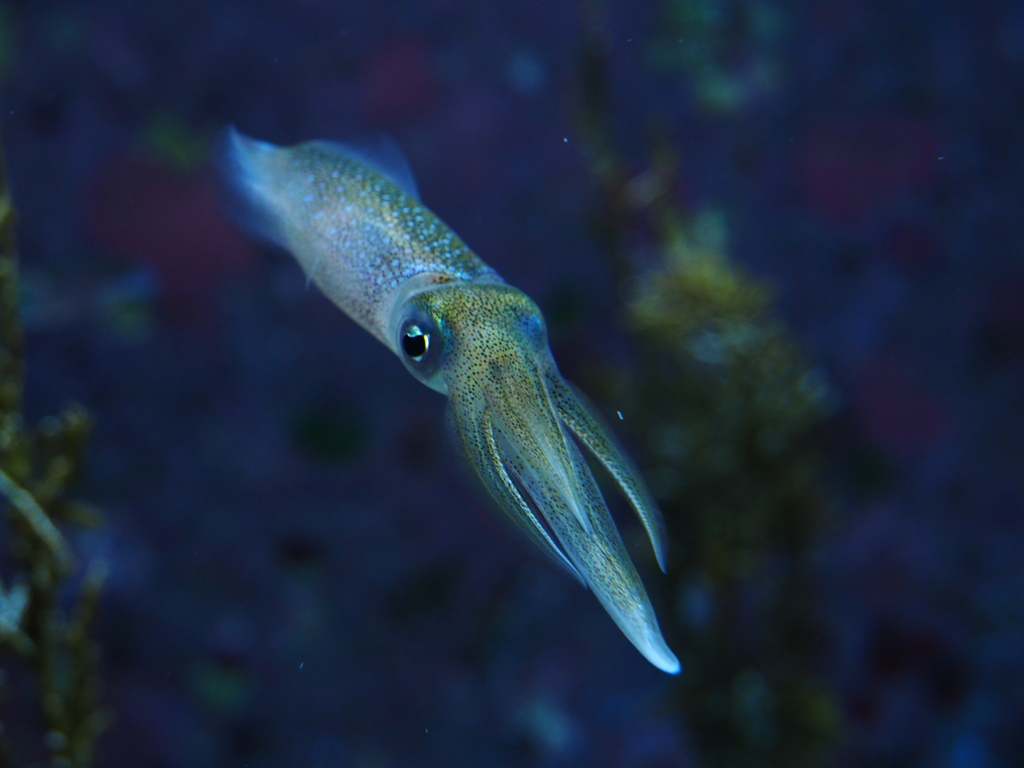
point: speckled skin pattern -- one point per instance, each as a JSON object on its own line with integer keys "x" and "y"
{"x": 388, "y": 262}
{"x": 358, "y": 236}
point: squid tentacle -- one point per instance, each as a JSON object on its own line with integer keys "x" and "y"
{"x": 587, "y": 425}
{"x": 506, "y": 492}
{"x": 535, "y": 435}
{"x": 603, "y": 561}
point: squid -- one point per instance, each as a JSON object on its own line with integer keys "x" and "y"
{"x": 351, "y": 216}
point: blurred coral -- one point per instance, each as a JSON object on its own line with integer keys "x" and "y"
{"x": 399, "y": 81}
{"x": 147, "y": 214}
{"x": 848, "y": 168}
{"x": 897, "y": 415}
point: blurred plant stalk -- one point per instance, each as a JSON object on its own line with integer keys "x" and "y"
{"x": 728, "y": 410}
{"x": 36, "y": 467}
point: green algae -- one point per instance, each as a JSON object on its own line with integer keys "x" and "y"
{"x": 727, "y": 411}
{"x": 731, "y": 408}
{"x": 37, "y": 465}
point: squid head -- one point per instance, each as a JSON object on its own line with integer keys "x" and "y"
{"x": 484, "y": 345}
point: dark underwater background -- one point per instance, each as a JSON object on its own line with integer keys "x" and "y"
{"x": 299, "y": 572}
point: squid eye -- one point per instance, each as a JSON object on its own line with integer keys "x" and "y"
{"x": 415, "y": 343}
{"x": 421, "y": 345}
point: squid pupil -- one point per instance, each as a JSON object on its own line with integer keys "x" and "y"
{"x": 415, "y": 343}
